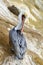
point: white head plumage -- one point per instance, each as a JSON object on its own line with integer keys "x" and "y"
{"x": 23, "y": 12}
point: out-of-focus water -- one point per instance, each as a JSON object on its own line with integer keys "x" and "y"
{"x": 33, "y": 32}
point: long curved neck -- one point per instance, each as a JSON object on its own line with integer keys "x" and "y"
{"x": 19, "y": 26}
{"x": 20, "y": 22}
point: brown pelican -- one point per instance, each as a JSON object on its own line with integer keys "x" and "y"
{"x": 17, "y": 39}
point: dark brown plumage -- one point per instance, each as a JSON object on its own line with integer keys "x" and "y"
{"x": 14, "y": 10}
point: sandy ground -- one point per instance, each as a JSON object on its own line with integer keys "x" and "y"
{"x": 34, "y": 39}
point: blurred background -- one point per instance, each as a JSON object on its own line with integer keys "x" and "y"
{"x": 33, "y": 31}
